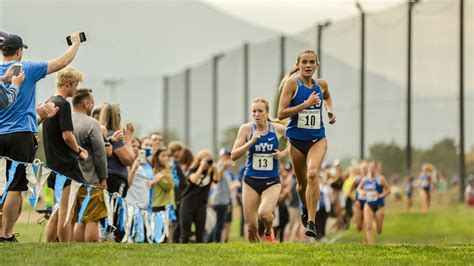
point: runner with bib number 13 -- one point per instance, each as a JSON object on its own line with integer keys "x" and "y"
{"x": 301, "y": 100}
{"x": 261, "y": 186}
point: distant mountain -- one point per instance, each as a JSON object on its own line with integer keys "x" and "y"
{"x": 134, "y": 43}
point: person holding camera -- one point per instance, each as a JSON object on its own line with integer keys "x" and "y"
{"x": 89, "y": 134}
{"x": 19, "y": 121}
{"x": 194, "y": 198}
{"x": 138, "y": 195}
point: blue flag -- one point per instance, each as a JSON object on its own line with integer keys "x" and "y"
{"x": 58, "y": 188}
{"x": 11, "y": 175}
{"x": 85, "y": 202}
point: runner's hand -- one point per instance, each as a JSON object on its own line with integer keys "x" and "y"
{"x": 312, "y": 100}
{"x": 277, "y": 155}
{"x": 332, "y": 118}
{"x": 256, "y": 136}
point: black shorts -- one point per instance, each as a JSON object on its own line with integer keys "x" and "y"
{"x": 303, "y": 146}
{"x": 260, "y": 185}
{"x": 376, "y": 207}
{"x": 73, "y": 173}
{"x": 20, "y": 147}
{"x": 117, "y": 184}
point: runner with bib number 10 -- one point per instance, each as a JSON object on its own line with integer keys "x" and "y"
{"x": 301, "y": 100}
{"x": 261, "y": 186}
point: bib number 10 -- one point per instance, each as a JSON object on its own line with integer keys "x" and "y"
{"x": 309, "y": 119}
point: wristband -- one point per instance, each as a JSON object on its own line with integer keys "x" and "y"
{"x": 80, "y": 151}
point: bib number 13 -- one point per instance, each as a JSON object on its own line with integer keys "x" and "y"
{"x": 262, "y": 162}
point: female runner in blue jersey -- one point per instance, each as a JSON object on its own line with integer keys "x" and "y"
{"x": 301, "y": 100}
{"x": 426, "y": 180}
{"x": 261, "y": 186}
{"x": 359, "y": 200}
{"x": 374, "y": 188}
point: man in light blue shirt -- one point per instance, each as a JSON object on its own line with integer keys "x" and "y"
{"x": 18, "y": 123}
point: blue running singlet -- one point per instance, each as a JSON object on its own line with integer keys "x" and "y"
{"x": 307, "y": 125}
{"x": 373, "y": 188}
{"x": 260, "y": 163}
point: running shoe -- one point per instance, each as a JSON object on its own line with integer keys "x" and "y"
{"x": 11, "y": 239}
{"x": 311, "y": 230}
{"x": 304, "y": 218}
{"x": 270, "y": 238}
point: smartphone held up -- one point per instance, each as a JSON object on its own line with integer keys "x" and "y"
{"x": 82, "y": 37}
{"x": 142, "y": 156}
{"x": 16, "y": 69}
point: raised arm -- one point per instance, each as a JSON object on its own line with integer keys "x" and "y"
{"x": 67, "y": 57}
{"x": 241, "y": 145}
{"x": 289, "y": 89}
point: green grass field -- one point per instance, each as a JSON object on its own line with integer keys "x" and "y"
{"x": 233, "y": 253}
{"x": 445, "y": 236}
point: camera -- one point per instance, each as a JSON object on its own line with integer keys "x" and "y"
{"x": 210, "y": 162}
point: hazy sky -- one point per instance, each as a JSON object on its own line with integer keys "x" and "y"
{"x": 290, "y": 16}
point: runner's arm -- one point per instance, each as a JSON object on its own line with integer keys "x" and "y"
{"x": 386, "y": 188}
{"x": 285, "y": 98}
{"x": 241, "y": 144}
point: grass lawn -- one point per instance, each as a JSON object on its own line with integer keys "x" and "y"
{"x": 444, "y": 236}
{"x": 233, "y": 253}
